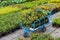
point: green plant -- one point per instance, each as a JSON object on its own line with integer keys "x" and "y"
{"x": 11, "y": 20}
{"x": 10, "y": 2}
{"x": 11, "y": 17}
{"x": 38, "y": 36}
{"x": 56, "y": 21}
{"x": 33, "y": 16}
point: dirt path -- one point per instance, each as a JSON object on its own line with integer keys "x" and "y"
{"x": 55, "y": 32}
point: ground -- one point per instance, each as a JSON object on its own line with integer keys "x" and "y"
{"x": 55, "y": 32}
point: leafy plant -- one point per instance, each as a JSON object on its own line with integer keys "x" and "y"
{"x": 56, "y": 21}
{"x": 12, "y": 16}
{"x": 33, "y": 16}
{"x": 38, "y": 36}
{"x": 8, "y": 9}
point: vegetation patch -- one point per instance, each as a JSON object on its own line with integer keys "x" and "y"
{"x": 38, "y": 36}
{"x": 8, "y": 9}
{"x": 56, "y": 22}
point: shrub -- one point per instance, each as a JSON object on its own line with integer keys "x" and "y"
{"x": 56, "y": 22}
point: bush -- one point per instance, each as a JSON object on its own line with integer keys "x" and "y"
{"x": 8, "y": 21}
{"x": 56, "y": 22}
{"x": 8, "y": 18}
